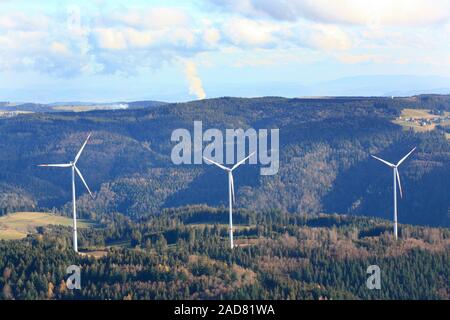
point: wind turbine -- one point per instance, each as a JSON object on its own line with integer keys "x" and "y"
{"x": 72, "y": 165}
{"x": 396, "y": 178}
{"x": 231, "y": 196}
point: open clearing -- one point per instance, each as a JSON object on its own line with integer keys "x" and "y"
{"x": 18, "y": 225}
{"x": 97, "y": 254}
{"x": 75, "y": 108}
{"x": 421, "y": 120}
{"x": 84, "y": 108}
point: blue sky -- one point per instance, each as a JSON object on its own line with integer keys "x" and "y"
{"x": 97, "y": 50}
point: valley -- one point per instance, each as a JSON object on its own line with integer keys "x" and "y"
{"x": 159, "y": 230}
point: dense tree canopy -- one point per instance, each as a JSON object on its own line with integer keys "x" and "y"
{"x": 324, "y": 158}
{"x": 183, "y": 254}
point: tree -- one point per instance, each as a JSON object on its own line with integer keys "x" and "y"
{"x": 50, "y": 289}
{"x": 6, "y": 274}
{"x": 62, "y": 287}
{"x": 7, "y": 292}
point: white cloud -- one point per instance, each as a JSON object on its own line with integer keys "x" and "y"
{"x": 144, "y": 28}
{"x": 128, "y": 40}
{"x": 358, "y": 12}
{"x": 155, "y": 18}
{"x": 42, "y": 42}
{"x": 109, "y": 38}
{"x": 361, "y": 58}
{"x": 211, "y": 36}
{"x": 22, "y": 22}
{"x": 59, "y": 48}
{"x": 249, "y": 33}
{"x": 328, "y": 38}
{"x": 108, "y": 42}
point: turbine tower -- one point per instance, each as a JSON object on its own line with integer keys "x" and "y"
{"x": 72, "y": 165}
{"x": 396, "y": 178}
{"x": 231, "y": 196}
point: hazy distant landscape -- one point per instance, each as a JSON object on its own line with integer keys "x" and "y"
{"x": 224, "y": 150}
{"x": 8, "y": 109}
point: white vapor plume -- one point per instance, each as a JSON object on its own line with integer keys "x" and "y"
{"x": 195, "y": 83}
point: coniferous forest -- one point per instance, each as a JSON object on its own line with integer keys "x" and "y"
{"x": 160, "y": 231}
{"x": 185, "y": 254}
{"x": 324, "y": 158}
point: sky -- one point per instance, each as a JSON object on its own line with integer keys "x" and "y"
{"x": 104, "y": 51}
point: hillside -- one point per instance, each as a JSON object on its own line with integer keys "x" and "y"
{"x": 15, "y": 108}
{"x": 184, "y": 254}
{"x": 324, "y": 159}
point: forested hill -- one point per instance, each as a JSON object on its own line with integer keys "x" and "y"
{"x": 324, "y": 158}
{"x": 185, "y": 254}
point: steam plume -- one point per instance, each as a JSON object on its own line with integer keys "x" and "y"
{"x": 195, "y": 83}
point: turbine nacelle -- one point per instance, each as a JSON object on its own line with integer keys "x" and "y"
{"x": 230, "y": 171}
{"x": 72, "y": 164}
{"x": 395, "y": 167}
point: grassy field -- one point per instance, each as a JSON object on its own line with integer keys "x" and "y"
{"x": 97, "y": 254}
{"x": 75, "y": 108}
{"x": 417, "y": 114}
{"x": 18, "y": 225}
{"x": 83, "y": 108}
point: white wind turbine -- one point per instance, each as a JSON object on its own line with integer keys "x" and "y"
{"x": 396, "y": 178}
{"x": 230, "y": 189}
{"x": 72, "y": 165}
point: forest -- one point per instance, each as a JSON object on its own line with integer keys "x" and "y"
{"x": 325, "y": 163}
{"x": 308, "y": 232}
{"x": 184, "y": 253}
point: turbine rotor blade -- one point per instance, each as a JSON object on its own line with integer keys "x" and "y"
{"x": 242, "y": 161}
{"x": 384, "y": 161}
{"x": 217, "y": 164}
{"x": 81, "y": 150}
{"x": 399, "y": 184}
{"x": 60, "y": 165}
{"x": 404, "y": 158}
{"x": 84, "y": 182}
{"x": 232, "y": 187}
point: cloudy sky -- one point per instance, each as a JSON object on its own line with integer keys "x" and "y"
{"x": 98, "y": 50}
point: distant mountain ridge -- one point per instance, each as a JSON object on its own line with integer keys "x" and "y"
{"x": 77, "y": 106}
{"x": 382, "y": 85}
